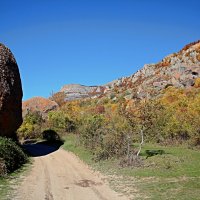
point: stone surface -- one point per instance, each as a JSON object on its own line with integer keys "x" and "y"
{"x": 10, "y": 94}
{"x": 76, "y": 91}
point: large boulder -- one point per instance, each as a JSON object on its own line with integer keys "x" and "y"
{"x": 10, "y": 94}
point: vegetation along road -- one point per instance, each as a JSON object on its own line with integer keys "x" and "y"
{"x": 59, "y": 175}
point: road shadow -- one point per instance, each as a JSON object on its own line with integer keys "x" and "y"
{"x": 41, "y": 148}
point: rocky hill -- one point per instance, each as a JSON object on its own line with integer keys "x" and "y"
{"x": 179, "y": 69}
{"x": 38, "y": 104}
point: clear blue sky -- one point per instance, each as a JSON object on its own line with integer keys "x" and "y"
{"x": 92, "y": 42}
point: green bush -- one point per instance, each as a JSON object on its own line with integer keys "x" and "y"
{"x": 33, "y": 118}
{"x": 105, "y": 137}
{"x": 59, "y": 121}
{"x": 113, "y": 143}
{"x": 88, "y": 129}
{"x": 31, "y": 126}
{"x": 11, "y": 154}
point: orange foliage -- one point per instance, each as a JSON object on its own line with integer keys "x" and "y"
{"x": 59, "y": 98}
{"x": 100, "y": 109}
{"x": 163, "y": 64}
{"x": 197, "y": 83}
{"x": 189, "y": 45}
{"x": 198, "y": 57}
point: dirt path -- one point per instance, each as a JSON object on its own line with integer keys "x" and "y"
{"x": 60, "y": 175}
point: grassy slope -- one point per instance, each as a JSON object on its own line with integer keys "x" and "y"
{"x": 174, "y": 175}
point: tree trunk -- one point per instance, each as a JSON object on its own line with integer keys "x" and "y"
{"x": 142, "y": 141}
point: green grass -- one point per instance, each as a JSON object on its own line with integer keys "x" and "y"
{"x": 70, "y": 144}
{"x": 4, "y": 188}
{"x": 8, "y": 183}
{"x": 176, "y": 162}
{"x": 173, "y": 175}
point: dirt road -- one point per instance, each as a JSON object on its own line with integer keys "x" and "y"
{"x": 60, "y": 175}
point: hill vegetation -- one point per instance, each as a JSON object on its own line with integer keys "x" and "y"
{"x": 141, "y": 124}
{"x": 110, "y": 128}
{"x": 133, "y": 109}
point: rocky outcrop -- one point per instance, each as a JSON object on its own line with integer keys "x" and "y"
{"x": 76, "y": 91}
{"x": 38, "y": 104}
{"x": 10, "y": 94}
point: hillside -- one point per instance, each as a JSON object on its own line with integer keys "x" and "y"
{"x": 179, "y": 69}
{"x": 143, "y": 128}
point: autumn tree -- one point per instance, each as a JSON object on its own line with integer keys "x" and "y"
{"x": 58, "y": 97}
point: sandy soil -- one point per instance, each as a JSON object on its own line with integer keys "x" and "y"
{"x": 60, "y": 175}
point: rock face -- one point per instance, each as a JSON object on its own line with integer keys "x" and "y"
{"x": 76, "y": 91}
{"x": 10, "y": 94}
{"x": 38, "y": 104}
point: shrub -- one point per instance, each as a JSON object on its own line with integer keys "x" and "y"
{"x": 195, "y": 141}
{"x": 113, "y": 143}
{"x": 198, "y": 57}
{"x": 88, "y": 129}
{"x": 31, "y": 126}
{"x": 105, "y": 136}
{"x": 197, "y": 82}
{"x": 59, "y": 121}
{"x": 100, "y": 109}
{"x": 33, "y": 118}
{"x": 11, "y": 154}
